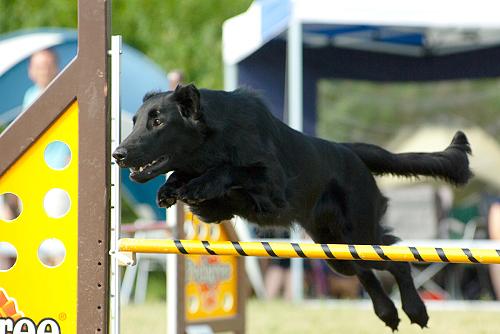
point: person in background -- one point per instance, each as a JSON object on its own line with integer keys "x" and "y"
{"x": 494, "y": 232}
{"x": 175, "y": 78}
{"x": 43, "y": 67}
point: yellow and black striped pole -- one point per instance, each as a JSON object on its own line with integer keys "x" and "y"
{"x": 313, "y": 251}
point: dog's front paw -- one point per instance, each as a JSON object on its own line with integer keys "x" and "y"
{"x": 196, "y": 192}
{"x": 166, "y": 197}
{"x": 190, "y": 195}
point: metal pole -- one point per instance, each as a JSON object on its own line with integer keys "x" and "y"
{"x": 115, "y": 52}
{"x": 230, "y": 76}
{"x": 294, "y": 57}
{"x": 172, "y": 282}
{"x": 313, "y": 251}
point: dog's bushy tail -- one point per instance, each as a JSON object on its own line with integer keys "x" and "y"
{"x": 451, "y": 165}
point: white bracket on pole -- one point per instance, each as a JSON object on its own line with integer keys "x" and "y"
{"x": 115, "y": 53}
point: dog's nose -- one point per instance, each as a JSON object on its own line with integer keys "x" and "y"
{"x": 120, "y": 154}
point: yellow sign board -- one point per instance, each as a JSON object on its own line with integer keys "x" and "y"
{"x": 211, "y": 288}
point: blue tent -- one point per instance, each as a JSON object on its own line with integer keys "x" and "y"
{"x": 139, "y": 75}
{"x": 283, "y": 47}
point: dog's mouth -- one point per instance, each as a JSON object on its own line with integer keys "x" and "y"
{"x": 150, "y": 170}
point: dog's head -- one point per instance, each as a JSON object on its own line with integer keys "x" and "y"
{"x": 167, "y": 127}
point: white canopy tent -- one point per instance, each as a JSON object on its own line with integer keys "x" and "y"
{"x": 417, "y": 29}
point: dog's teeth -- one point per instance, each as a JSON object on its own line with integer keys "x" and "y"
{"x": 142, "y": 168}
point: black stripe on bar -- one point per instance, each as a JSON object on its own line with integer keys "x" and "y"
{"x": 179, "y": 246}
{"x": 238, "y": 248}
{"x": 498, "y": 252}
{"x": 206, "y": 244}
{"x": 298, "y": 250}
{"x": 416, "y": 254}
{"x": 469, "y": 255}
{"x": 442, "y": 255}
{"x": 380, "y": 252}
{"x": 354, "y": 252}
{"x": 327, "y": 251}
{"x": 268, "y": 249}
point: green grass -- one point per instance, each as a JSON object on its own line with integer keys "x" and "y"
{"x": 278, "y": 317}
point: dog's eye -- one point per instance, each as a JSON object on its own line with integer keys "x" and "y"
{"x": 157, "y": 122}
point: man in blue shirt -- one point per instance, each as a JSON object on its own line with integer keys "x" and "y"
{"x": 42, "y": 69}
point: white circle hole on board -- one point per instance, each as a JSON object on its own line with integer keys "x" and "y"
{"x": 214, "y": 232}
{"x": 228, "y": 302}
{"x": 193, "y": 304}
{"x": 51, "y": 252}
{"x": 11, "y": 207}
{"x": 56, "y": 203}
{"x": 57, "y": 155}
{"x": 8, "y": 256}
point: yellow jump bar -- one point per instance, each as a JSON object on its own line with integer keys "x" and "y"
{"x": 312, "y": 251}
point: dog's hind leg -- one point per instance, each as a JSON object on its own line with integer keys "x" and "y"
{"x": 412, "y": 304}
{"x": 329, "y": 223}
{"x": 382, "y": 304}
{"x": 332, "y": 225}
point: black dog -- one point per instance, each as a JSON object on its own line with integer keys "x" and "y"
{"x": 230, "y": 156}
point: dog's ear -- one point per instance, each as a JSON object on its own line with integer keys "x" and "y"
{"x": 188, "y": 101}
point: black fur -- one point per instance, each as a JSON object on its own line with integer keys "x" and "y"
{"x": 230, "y": 156}
{"x": 451, "y": 165}
{"x": 150, "y": 94}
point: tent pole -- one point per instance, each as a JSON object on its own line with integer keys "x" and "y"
{"x": 230, "y": 76}
{"x": 295, "y": 117}
{"x": 294, "y": 54}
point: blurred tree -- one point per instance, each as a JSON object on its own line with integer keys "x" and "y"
{"x": 374, "y": 112}
{"x": 21, "y": 14}
{"x": 179, "y": 34}
{"x": 183, "y": 34}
